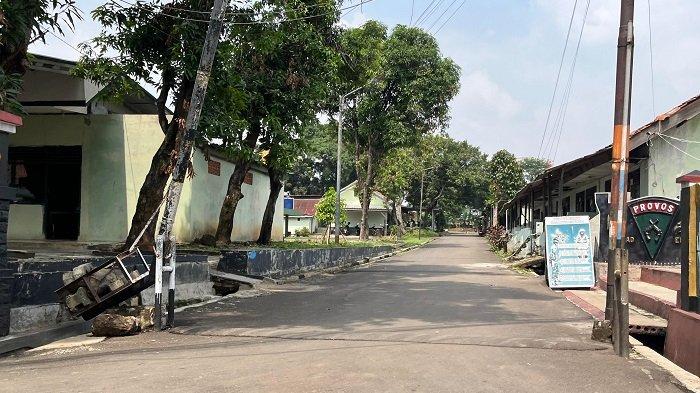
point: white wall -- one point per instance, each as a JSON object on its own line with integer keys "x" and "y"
{"x": 375, "y": 218}
{"x": 295, "y": 223}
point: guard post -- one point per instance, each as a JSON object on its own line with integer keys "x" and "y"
{"x": 690, "y": 194}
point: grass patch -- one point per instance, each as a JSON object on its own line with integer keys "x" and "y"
{"x": 409, "y": 239}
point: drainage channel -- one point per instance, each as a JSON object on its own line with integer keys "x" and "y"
{"x": 651, "y": 341}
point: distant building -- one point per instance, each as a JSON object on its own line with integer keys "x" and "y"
{"x": 79, "y": 163}
{"x": 300, "y": 214}
{"x": 378, "y": 215}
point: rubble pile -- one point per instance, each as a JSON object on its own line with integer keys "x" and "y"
{"x": 123, "y": 321}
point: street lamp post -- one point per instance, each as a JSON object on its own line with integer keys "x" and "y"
{"x": 341, "y": 107}
{"x": 420, "y": 208}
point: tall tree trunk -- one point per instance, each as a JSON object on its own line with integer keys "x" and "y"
{"x": 269, "y": 216}
{"x": 162, "y": 165}
{"x": 234, "y": 193}
{"x": 228, "y": 207}
{"x": 400, "y": 228}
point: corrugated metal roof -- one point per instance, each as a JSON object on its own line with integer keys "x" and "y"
{"x": 307, "y": 207}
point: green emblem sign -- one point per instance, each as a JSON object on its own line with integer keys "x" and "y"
{"x": 653, "y": 217}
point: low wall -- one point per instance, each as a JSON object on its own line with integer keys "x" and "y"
{"x": 279, "y": 263}
{"x": 682, "y": 346}
{"x": 34, "y": 305}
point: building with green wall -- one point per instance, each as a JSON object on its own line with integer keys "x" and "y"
{"x": 79, "y": 164}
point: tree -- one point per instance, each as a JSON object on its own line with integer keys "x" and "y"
{"x": 408, "y": 98}
{"x": 454, "y": 176}
{"x": 151, "y": 43}
{"x": 314, "y": 170}
{"x": 325, "y": 211}
{"x": 394, "y": 176}
{"x": 23, "y": 22}
{"x": 283, "y": 68}
{"x": 505, "y": 178}
{"x": 533, "y": 167}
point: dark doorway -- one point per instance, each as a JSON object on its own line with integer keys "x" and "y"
{"x": 50, "y": 176}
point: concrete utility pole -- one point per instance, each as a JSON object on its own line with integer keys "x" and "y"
{"x": 420, "y": 205}
{"x": 617, "y": 299}
{"x": 420, "y": 208}
{"x": 166, "y": 233}
{"x": 341, "y": 107}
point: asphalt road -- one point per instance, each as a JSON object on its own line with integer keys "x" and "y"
{"x": 443, "y": 318}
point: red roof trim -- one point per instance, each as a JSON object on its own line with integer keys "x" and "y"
{"x": 8, "y": 117}
{"x": 692, "y": 177}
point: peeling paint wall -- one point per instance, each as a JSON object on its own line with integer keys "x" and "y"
{"x": 102, "y": 197}
{"x": 201, "y": 198}
{"x": 666, "y": 163}
{"x": 116, "y": 154}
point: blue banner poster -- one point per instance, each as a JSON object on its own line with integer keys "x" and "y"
{"x": 569, "y": 253}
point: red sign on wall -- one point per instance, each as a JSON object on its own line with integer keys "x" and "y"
{"x": 214, "y": 167}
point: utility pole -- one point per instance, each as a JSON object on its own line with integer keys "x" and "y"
{"x": 166, "y": 233}
{"x": 420, "y": 208}
{"x": 341, "y": 106}
{"x": 617, "y": 299}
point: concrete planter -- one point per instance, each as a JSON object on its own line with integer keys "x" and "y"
{"x": 277, "y": 263}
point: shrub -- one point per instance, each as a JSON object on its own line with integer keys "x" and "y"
{"x": 498, "y": 237}
{"x": 302, "y": 232}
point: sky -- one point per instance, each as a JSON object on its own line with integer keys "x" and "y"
{"x": 509, "y": 53}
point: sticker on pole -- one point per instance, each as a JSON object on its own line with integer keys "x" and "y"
{"x": 569, "y": 253}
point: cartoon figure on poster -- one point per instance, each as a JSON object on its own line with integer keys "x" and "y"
{"x": 553, "y": 255}
{"x": 568, "y": 252}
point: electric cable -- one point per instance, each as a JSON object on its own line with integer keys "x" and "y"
{"x": 556, "y": 82}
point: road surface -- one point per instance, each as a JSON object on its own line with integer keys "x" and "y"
{"x": 444, "y": 318}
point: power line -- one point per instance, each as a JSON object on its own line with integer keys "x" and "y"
{"x": 229, "y": 22}
{"x": 451, "y": 16}
{"x": 556, "y": 82}
{"x": 651, "y": 62}
{"x": 207, "y": 13}
{"x": 432, "y": 11}
{"x": 413, "y": 6}
{"x": 441, "y": 15}
{"x": 570, "y": 81}
{"x": 423, "y": 13}
{"x": 678, "y": 139}
{"x": 663, "y": 138}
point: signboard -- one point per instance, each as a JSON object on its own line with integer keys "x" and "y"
{"x": 653, "y": 217}
{"x": 653, "y": 233}
{"x": 569, "y": 253}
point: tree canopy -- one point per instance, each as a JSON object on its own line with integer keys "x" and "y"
{"x": 505, "y": 177}
{"x": 407, "y": 85}
{"x": 533, "y": 167}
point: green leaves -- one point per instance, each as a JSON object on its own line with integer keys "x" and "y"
{"x": 10, "y": 86}
{"x": 274, "y": 74}
{"x": 325, "y": 208}
{"x": 533, "y": 167}
{"x": 23, "y": 22}
{"x": 505, "y": 177}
